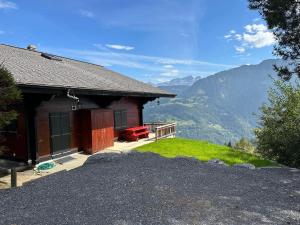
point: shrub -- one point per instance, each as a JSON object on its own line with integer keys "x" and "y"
{"x": 278, "y": 134}
{"x": 245, "y": 145}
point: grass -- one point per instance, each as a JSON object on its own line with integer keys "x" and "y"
{"x": 202, "y": 150}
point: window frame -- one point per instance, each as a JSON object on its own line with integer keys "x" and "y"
{"x": 121, "y": 122}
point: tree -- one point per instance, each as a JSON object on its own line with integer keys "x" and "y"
{"x": 245, "y": 145}
{"x": 229, "y": 144}
{"x": 283, "y": 18}
{"x": 9, "y": 95}
{"x": 278, "y": 134}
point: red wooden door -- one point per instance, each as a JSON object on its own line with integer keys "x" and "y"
{"x": 102, "y": 125}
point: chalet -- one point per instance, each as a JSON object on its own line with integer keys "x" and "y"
{"x": 69, "y": 105}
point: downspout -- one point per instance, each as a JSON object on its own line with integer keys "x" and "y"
{"x": 72, "y": 96}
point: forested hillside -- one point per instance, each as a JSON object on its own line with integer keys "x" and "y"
{"x": 220, "y": 107}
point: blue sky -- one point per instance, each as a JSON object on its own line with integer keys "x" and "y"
{"x": 150, "y": 40}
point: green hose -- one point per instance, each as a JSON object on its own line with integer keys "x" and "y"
{"x": 45, "y": 166}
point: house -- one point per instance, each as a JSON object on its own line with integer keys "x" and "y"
{"x": 69, "y": 105}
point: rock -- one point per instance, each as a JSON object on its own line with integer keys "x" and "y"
{"x": 245, "y": 165}
{"x": 217, "y": 161}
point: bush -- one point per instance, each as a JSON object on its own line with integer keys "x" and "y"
{"x": 245, "y": 145}
{"x": 278, "y": 135}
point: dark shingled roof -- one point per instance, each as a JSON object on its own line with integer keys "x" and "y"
{"x": 30, "y": 69}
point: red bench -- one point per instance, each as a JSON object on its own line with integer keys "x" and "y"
{"x": 135, "y": 133}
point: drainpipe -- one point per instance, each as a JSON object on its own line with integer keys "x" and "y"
{"x": 72, "y": 96}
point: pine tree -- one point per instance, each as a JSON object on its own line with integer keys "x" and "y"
{"x": 9, "y": 95}
{"x": 229, "y": 144}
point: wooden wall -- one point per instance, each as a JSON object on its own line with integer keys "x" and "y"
{"x": 43, "y": 126}
{"x": 16, "y": 143}
{"x": 102, "y": 129}
{"x": 133, "y": 107}
{"x": 91, "y": 128}
{"x": 97, "y": 130}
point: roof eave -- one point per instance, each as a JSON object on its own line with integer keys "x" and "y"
{"x": 26, "y": 88}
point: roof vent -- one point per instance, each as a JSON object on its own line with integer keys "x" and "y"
{"x": 52, "y": 57}
{"x": 31, "y": 48}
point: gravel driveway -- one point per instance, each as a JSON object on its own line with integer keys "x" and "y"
{"x": 144, "y": 188}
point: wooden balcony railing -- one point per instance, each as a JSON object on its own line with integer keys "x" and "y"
{"x": 162, "y": 130}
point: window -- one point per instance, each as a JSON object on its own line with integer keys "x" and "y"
{"x": 10, "y": 128}
{"x": 120, "y": 117}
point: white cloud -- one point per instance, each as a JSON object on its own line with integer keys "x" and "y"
{"x": 232, "y": 32}
{"x": 238, "y": 37}
{"x": 148, "y": 62}
{"x": 170, "y": 73}
{"x": 258, "y": 37}
{"x": 120, "y": 47}
{"x": 240, "y": 49}
{"x": 154, "y": 66}
{"x": 144, "y": 58}
{"x": 86, "y": 13}
{"x": 254, "y": 36}
{"x": 109, "y": 58}
{"x": 254, "y": 28}
{"x": 7, "y": 5}
{"x": 161, "y": 80}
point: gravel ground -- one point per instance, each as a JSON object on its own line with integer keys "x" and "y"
{"x": 144, "y": 188}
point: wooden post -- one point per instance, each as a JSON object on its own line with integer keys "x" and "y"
{"x": 13, "y": 177}
{"x": 175, "y": 130}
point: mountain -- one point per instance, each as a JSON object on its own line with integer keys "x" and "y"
{"x": 186, "y": 81}
{"x": 220, "y": 107}
{"x": 176, "y": 89}
{"x": 178, "y": 85}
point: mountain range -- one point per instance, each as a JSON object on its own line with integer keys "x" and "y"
{"x": 220, "y": 108}
{"x": 189, "y": 80}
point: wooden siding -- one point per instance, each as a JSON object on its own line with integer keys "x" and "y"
{"x": 92, "y": 128}
{"x": 43, "y": 126}
{"x": 133, "y": 108}
{"x": 43, "y": 133}
{"x": 102, "y": 129}
{"x": 97, "y": 130}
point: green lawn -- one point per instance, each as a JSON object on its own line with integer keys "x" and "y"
{"x": 203, "y": 151}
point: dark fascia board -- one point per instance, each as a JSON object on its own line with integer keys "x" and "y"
{"x": 36, "y": 89}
